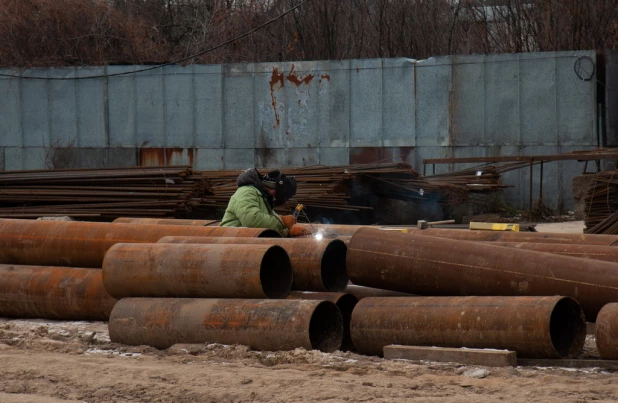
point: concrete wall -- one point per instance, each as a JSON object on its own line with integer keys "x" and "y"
{"x": 305, "y": 113}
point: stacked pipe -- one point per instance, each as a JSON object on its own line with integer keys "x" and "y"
{"x": 507, "y": 286}
{"x": 52, "y": 269}
{"x": 138, "y": 192}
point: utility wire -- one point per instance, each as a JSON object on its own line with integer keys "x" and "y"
{"x": 164, "y": 64}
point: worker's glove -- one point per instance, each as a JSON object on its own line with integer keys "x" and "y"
{"x": 288, "y": 220}
{"x": 296, "y": 231}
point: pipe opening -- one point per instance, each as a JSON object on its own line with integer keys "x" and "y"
{"x": 567, "y": 328}
{"x": 269, "y": 233}
{"x": 333, "y": 266}
{"x": 276, "y": 273}
{"x": 346, "y": 305}
{"x": 326, "y": 327}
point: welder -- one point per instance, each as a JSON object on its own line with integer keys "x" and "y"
{"x": 253, "y": 202}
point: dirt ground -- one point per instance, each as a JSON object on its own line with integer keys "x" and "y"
{"x": 45, "y": 361}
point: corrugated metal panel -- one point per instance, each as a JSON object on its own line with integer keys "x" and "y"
{"x": 467, "y": 105}
{"x": 538, "y": 99}
{"x": 122, "y": 105}
{"x": 366, "y": 103}
{"x": 208, "y": 106}
{"x": 178, "y": 102}
{"x": 238, "y": 102}
{"x": 62, "y": 109}
{"x": 92, "y": 108}
{"x": 150, "y": 109}
{"x": 35, "y": 110}
{"x": 398, "y": 124}
{"x": 576, "y": 102}
{"x": 433, "y": 104}
{"x": 611, "y": 97}
{"x": 502, "y": 113}
{"x": 10, "y": 111}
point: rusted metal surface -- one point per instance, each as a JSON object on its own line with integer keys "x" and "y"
{"x": 361, "y": 292}
{"x": 330, "y": 230}
{"x": 260, "y": 324}
{"x": 197, "y": 271}
{"x": 426, "y": 265}
{"x": 83, "y": 244}
{"x": 506, "y": 236}
{"x": 345, "y": 302}
{"x": 596, "y": 252}
{"x": 165, "y": 221}
{"x": 536, "y": 327}
{"x": 156, "y": 157}
{"x": 63, "y": 293}
{"x": 317, "y": 265}
{"x": 606, "y": 334}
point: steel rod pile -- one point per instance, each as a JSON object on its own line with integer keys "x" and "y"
{"x": 601, "y": 204}
{"x": 336, "y": 187}
{"x": 135, "y": 192}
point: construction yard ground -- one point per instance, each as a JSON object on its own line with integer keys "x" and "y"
{"x": 46, "y": 361}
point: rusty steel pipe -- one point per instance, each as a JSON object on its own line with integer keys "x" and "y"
{"x": 194, "y": 271}
{"x": 596, "y": 252}
{"x": 165, "y": 221}
{"x": 332, "y": 230}
{"x": 426, "y": 265}
{"x": 606, "y": 334}
{"x": 345, "y": 303}
{"x": 63, "y": 293}
{"x": 317, "y": 265}
{"x": 508, "y": 236}
{"x": 538, "y": 327}
{"x": 361, "y": 292}
{"x": 260, "y": 324}
{"x": 83, "y": 244}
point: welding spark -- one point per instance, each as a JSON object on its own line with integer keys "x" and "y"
{"x": 318, "y": 236}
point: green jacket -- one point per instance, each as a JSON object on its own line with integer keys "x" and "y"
{"x": 249, "y": 208}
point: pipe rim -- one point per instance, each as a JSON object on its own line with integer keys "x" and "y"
{"x": 269, "y": 233}
{"x": 567, "y": 327}
{"x": 276, "y": 273}
{"x": 326, "y": 327}
{"x": 333, "y": 270}
{"x": 346, "y": 304}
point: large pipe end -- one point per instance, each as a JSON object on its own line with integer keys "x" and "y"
{"x": 333, "y": 266}
{"x": 276, "y": 273}
{"x": 567, "y": 327}
{"x": 346, "y": 305}
{"x": 326, "y": 328}
{"x": 269, "y": 233}
{"x": 606, "y": 334}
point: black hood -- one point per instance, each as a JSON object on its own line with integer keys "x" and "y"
{"x": 251, "y": 177}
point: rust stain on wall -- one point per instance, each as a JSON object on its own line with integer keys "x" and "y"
{"x": 369, "y": 155}
{"x": 295, "y": 79}
{"x": 152, "y": 157}
{"x": 276, "y": 78}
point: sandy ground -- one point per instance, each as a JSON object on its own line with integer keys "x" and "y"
{"x": 47, "y": 361}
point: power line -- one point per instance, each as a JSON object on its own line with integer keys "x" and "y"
{"x": 159, "y": 66}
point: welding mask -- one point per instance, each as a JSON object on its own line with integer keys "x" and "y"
{"x": 285, "y": 186}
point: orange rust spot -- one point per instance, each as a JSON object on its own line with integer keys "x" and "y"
{"x": 325, "y": 77}
{"x": 293, "y": 78}
{"x": 275, "y": 78}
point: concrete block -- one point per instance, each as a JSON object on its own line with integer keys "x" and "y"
{"x": 489, "y": 358}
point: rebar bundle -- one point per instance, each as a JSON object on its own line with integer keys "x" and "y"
{"x": 135, "y": 192}
{"x": 601, "y": 204}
